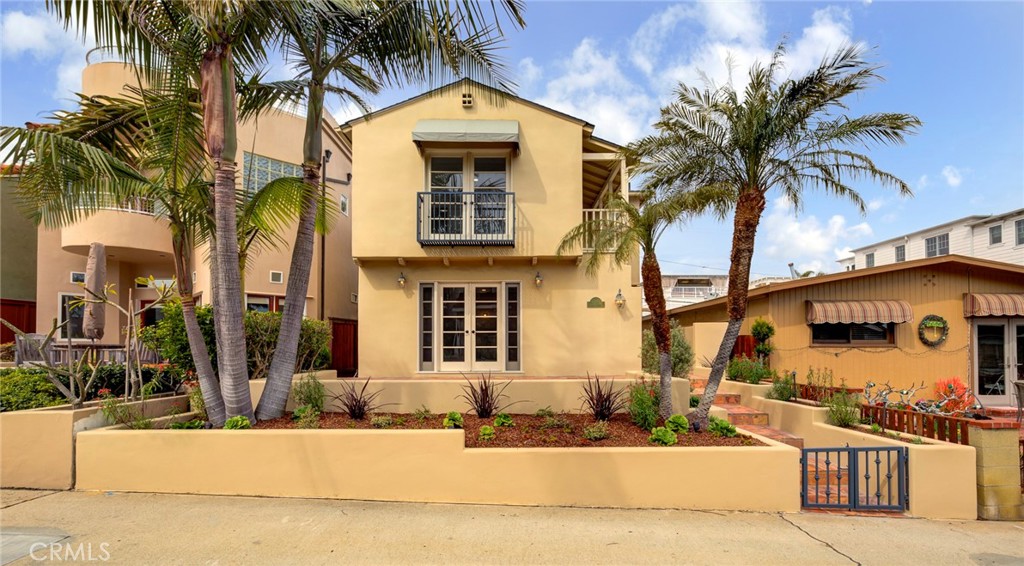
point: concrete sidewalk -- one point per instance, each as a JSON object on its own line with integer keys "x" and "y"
{"x": 182, "y": 529}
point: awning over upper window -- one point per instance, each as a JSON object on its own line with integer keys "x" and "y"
{"x": 994, "y": 304}
{"x": 467, "y": 132}
{"x": 858, "y": 312}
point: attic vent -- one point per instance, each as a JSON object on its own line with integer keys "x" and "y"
{"x": 276, "y": 277}
{"x": 467, "y": 100}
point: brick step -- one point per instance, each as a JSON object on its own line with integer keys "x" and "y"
{"x": 743, "y": 416}
{"x": 697, "y": 383}
{"x": 720, "y": 398}
{"x": 776, "y": 435}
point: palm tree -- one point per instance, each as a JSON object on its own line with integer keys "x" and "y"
{"x": 777, "y": 134}
{"x": 347, "y": 49}
{"x": 629, "y": 227}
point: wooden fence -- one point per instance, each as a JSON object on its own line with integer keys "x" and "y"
{"x": 344, "y": 346}
{"x": 937, "y": 427}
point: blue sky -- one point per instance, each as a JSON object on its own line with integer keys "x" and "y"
{"x": 959, "y": 66}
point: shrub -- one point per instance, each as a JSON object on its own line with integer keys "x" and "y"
{"x": 694, "y": 401}
{"x": 503, "y": 419}
{"x": 643, "y": 404}
{"x": 603, "y": 400}
{"x": 958, "y": 396}
{"x": 309, "y": 391}
{"x": 117, "y": 411}
{"x": 195, "y": 400}
{"x": 545, "y": 412}
{"x": 596, "y": 431}
{"x": 484, "y": 396}
{"x": 762, "y": 331}
{"x": 382, "y": 421}
{"x": 237, "y": 422}
{"x": 169, "y": 340}
{"x": 22, "y": 388}
{"x": 721, "y": 427}
{"x": 7, "y": 352}
{"x": 193, "y": 424}
{"x": 663, "y": 436}
{"x": 452, "y": 420}
{"x": 556, "y": 421}
{"x": 843, "y": 408}
{"x": 310, "y": 418}
{"x": 876, "y": 428}
{"x": 487, "y": 433}
{"x": 680, "y": 352}
{"x": 357, "y": 403}
{"x": 783, "y": 388}
{"x": 748, "y": 370}
{"x": 422, "y": 414}
{"x": 301, "y": 411}
{"x": 678, "y": 424}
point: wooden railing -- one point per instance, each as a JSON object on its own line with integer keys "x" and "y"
{"x": 601, "y": 217}
{"x": 937, "y": 427}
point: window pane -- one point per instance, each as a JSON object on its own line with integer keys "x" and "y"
{"x": 490, "y": 164}
{"x": 830, "y": 334}
{"x": 868, "y": 332}
{"x": 870, "y": 259}
{"x": 446, "y": 180}
{"x": 901, "y": 253}
{"x": 73, "y": 314}
{"x": 995, "y": 234}
{"x": 451, "y": 164}
{"x": 258, "y": 304}
{"x": 1020, "y": 232}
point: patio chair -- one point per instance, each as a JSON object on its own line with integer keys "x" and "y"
{"x": 1019, "y": 386}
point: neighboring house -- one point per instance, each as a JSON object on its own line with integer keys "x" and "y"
{"x": 464, "y": 197}
{"x": 687, "y": 289}
{"x": 17, "y": 261}
{"x": 998, "y": 237}
{"x": 876, "y": 324}
{"x": 138, "y": 243}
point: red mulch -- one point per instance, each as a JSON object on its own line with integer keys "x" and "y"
{"x": 529, "y": 431}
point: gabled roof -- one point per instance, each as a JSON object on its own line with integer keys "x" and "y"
{"x": 997, "y": 217}
{"x": 587, "y": 126}
{"x": 952, "y": 260}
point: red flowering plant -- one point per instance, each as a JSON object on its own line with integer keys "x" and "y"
{"x": 104, "y": 393}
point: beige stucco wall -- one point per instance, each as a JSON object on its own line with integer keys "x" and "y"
{"x": 560, "y": 335}
{"x": 37, "y": 447}
{"x": 18, "y": 257}
{"x": 524, "y": 396}
{"x": 941, "y": 480}
{"x": 433, "y": 466}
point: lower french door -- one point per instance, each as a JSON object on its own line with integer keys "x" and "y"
{"x": 469, "y": 327}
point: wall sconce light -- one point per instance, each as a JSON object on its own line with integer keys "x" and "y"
{"x": 401, "y": 280}
{"x": 538, "y": 280}
{"x": 620, "y": 301}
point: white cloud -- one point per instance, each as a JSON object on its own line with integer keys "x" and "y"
{"x": 922, "y": 182}
{"x": 808, "y": 242}
{"x": 875, "y": 204}
{"x": 592, "y": 86}
{"x": 646, "y": 45}
{"x": 952, "y": 175}
{"x": 40, "y": 36}
{"x": 347, "y": 111}
{"x": 529, "y": 73}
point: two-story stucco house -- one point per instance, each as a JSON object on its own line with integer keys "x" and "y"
{"x": 463, "y": 197}
{"x": 996, "y": 237}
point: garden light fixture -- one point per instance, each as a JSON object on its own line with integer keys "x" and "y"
{"x": 401, "y": 280}
{"x": 538, "y": 280}
{"x": 620, "y": 301}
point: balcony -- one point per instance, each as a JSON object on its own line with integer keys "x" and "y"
{"x": 131, "y": 231}
{"x": 599, "y": 218}
{"x": 481, "y": 218}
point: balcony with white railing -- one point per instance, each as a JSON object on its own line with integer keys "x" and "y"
{"x": 481, "y": 218}
{"x": 598, "y": 217}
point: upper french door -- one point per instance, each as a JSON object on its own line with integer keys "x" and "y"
{"x": 998, "y": 359}
{"x": 472, "y": 327}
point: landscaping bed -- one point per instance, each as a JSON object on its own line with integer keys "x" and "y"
{"x": 529, "y": 431}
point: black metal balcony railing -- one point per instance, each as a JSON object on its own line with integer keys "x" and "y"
{"x": 482, "y": 218}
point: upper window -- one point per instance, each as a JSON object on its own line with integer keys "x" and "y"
{"x": 343, "y": 204}
{"x": 901, "y": 253}
{"x": 853, "y": 334}
{"x": 1019, "y": 226}
{"x": 258, "y": 170}
{"x": 995, "y": 234}
{"x": 869, "y": 260}
{"x": 78, "y": 277}
{"x": 936, "y": 245}
{"x": 74, "y": 314}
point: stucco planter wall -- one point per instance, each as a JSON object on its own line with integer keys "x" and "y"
{"x": 434, "y": 466}
{"x": 37, "y": 446}
{"x": 942, "y": 475}
{"x": 443, "y": 395}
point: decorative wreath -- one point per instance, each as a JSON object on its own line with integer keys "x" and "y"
{"x": 931, "y": 322}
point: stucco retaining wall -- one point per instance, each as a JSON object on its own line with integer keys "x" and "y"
{"x": 37, "y": 446}
{"x": 434, "y": 466}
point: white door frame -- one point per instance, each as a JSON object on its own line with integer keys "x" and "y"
{"x": 1012, "y": 367}
{"x": 470, "y": 322}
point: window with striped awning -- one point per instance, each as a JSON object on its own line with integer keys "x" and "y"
{"x": 993, "y": 304}
{"x": 858, "y": 312}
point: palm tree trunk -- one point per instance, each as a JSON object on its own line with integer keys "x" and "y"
{"x": 651, "y": 273}
{"x": 749, "y": 207}
{"x": 218, "y": 96}
{"x": 282, "y": 368}
{"x": 197, "y": 344}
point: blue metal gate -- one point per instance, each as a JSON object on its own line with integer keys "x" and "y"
{"x": 863, "y": 479}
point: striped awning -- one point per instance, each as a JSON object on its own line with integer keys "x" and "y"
{"x": 994, "y": 304}
{"x": 858, "y": 312}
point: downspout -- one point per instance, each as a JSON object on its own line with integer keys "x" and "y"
{"x": 323, "y": 234}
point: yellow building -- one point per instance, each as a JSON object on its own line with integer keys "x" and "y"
{"x": 902, "y": 323}
{"x": 464, "y": 197}
{"x": 138, "y": 242}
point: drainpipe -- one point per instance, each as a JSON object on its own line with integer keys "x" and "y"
{"x": 323, "y": 235}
